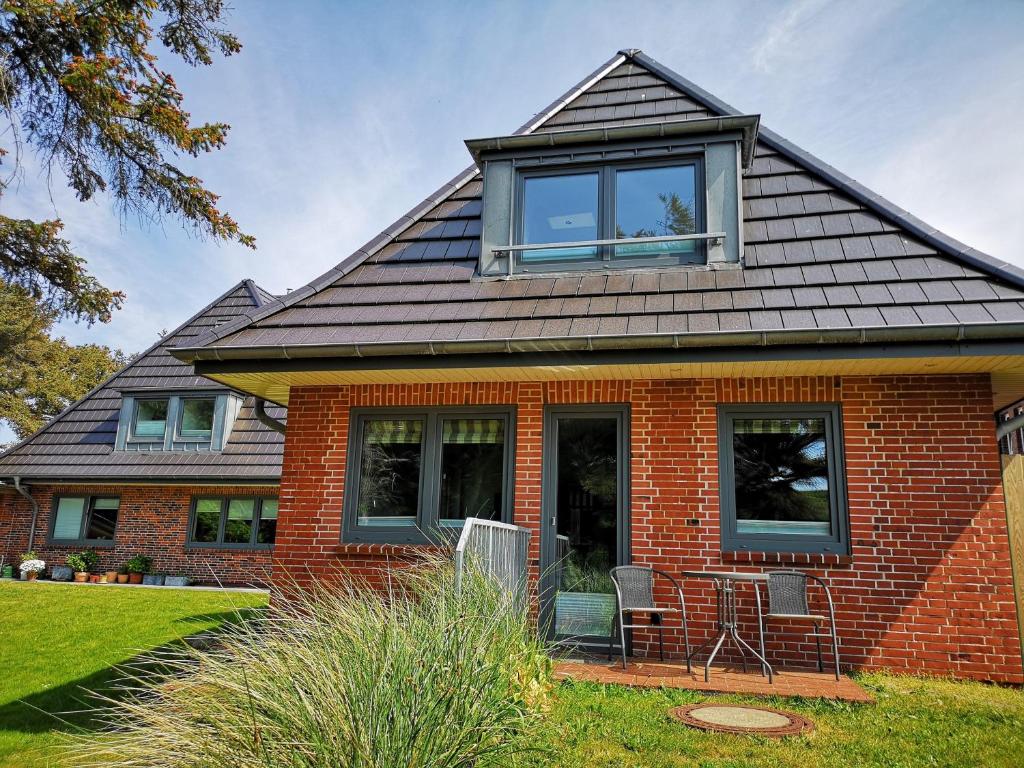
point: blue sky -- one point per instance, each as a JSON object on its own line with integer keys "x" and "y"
{"x": 345, "y": 115}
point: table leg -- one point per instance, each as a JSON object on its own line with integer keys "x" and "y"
{"x": 760, "y": 626}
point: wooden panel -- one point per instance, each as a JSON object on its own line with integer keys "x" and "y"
{"x": 276, "y": 386}
{"x": 1013, "y": 485}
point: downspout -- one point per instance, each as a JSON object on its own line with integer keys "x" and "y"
{"x": 265, "y": 418}
{"x": 1003, "y": 428}
{"x": 35, "y": 510}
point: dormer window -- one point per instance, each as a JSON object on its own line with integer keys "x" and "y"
{"x": 654, "y": 207}
{"x": 662, "y": 195}
{"x": 196, "y": 422}
{"x": 149, "y": 423}
{"x": 166, "y": 421}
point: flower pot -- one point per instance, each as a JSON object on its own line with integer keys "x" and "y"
{"x": 61, "y": 573}
{"x": 134, "y": 578}
{"x": 101, "y": 578}
{"x": 122, "y": 578}
{"x": 31, "y": 576}
{"x": 8, "y": 572}
{"x": 111, "y": 577}
{"x": 94, "y": 578}
{"x": 81, "y": 577}
{"x": 153, "y": 579}
{"x": 176, "y": 581}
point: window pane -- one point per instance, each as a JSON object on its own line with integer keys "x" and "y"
{"x": 389, "y": 472}
{"x": 197, "y": 418}
{"x": 267, "y": 530}
{"x": 68, "y": 524}
{"x": 150, "y": 418}
{"x": 656, "y": 202}
{"x": 781, "y": 468}
{"x": 103, "y": 519}
{"x": 207, "y": 523}
{"x": 560, "y": 209}
{"x": 472, "y": 469}
{"x": 238, "y": 528}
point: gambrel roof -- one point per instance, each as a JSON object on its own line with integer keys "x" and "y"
{"x": 78, "y": 444}
{"x": 824, "y": 259}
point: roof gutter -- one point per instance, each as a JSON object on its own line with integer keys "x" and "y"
{"x": 23, "y": 490}
{"x": 809, "y": 336}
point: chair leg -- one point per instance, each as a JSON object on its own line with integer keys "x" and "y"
{"x": 661, "y": 641}
{"x": 817, "y": 644}
{"x": 611, "y": 637}
{"x": 622, "y": 638}
{"x": 835, "y": 649}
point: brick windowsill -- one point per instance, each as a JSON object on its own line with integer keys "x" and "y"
{"x": 806, "y": 559}
{"x": 380, "y": 550}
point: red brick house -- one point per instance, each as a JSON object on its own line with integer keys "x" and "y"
{"x": 155, "y": 461}
{"x": 653, "y": 331}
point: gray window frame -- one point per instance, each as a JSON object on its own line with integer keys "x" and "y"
{"x": 606, "y": 205}
{"x": 427, "y": 529}
{"x": 135, "y": 438}
{"x": 732, "y": 541}
{"x": 224, "y": 501}
{"x": 90, "y": 499}
{"x": 179, "y": 434}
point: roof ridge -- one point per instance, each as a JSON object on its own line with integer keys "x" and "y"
{"x": 940, "y": 240}
{"x": 116, "y": 374}
{"x": 389, "y": 233}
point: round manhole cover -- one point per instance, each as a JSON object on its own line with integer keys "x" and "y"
{"x": 734, "y": 718}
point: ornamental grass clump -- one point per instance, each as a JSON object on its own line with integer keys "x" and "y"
{"x": 417, "y": 674}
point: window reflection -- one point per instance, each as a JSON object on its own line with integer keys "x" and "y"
{"x": 472, "y": 469}
{"x": 781, "y": 471}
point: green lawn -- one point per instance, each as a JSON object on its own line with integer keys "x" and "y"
{"x": 58, "y": 639}
{"x": 914, "y": 723}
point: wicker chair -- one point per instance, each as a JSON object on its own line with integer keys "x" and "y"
{"x": 634, "y": 593}
{"x": 787, "y": 600}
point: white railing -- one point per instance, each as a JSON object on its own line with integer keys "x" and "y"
{"x": 500, "y": 550}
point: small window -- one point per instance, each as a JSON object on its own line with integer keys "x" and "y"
{"x": 418, "y": 474}
{"x": 88, "y": 520}
{"x": 240, "y": 522}
{"x": 650, "y": 205}
{"x": 782, "y": 479}
{"x": 560, "y": 209}
{"x": 472, "y": 469}
{"x": 196, "y": 418}
{"x": 389, "y": 472}
{"x": 206, "y": 523}
{"x": 150, "y": 421}
{"x": 267, "y": 530}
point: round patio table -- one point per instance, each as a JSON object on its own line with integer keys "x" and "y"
{"x": 725, "y": 592}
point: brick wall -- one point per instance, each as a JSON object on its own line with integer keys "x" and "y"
{"x": 927, "y": 587}
{"x": 152, "y": 520}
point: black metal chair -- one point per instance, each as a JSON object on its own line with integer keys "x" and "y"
{"x": 634, "y": 593}
{"x": 787, "y": 600}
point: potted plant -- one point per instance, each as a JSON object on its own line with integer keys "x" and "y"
{"x": 122, "y": 575}
{"x": 82, "y": 563}
{"x": 31, "y": 566}
{"x": 111, "y": 576}
{"x": 76, "y": 562}
{"x": 137, "y": 566}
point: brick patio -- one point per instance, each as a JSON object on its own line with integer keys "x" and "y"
{"x": 645, "y": 673}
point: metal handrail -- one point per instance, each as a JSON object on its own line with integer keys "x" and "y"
{"x": 713, "y": 237}
{"x": 501, "y": 549}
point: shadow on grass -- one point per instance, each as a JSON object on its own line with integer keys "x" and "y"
{"x": 71, "y": 707}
